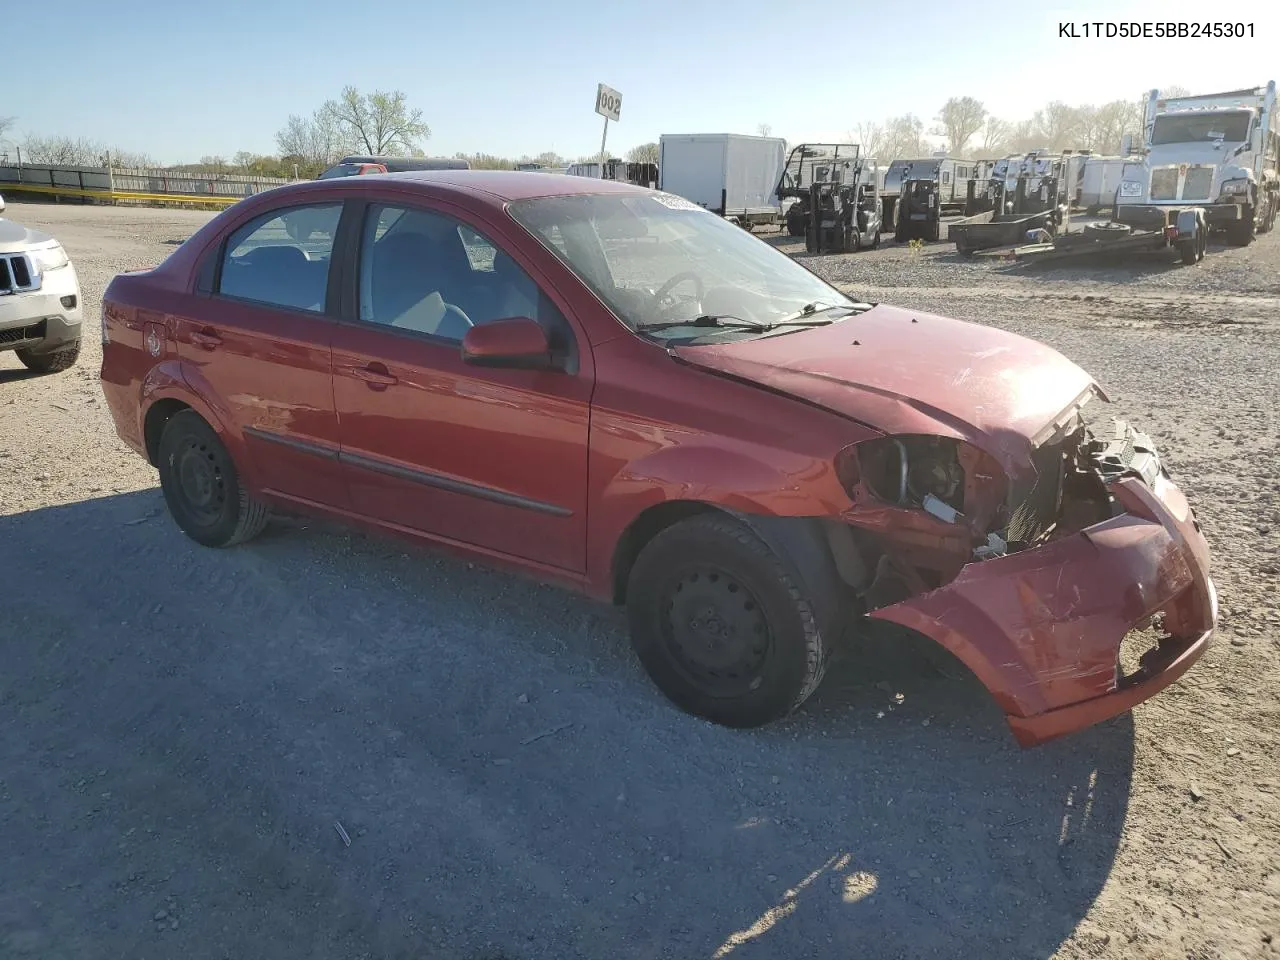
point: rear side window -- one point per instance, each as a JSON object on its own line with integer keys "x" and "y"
{"x": 282, "y": 258}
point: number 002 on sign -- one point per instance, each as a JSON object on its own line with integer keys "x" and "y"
{"x": 608, "y": 102}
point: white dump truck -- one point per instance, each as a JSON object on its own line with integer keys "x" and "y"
{"x": 1218, "y": 152}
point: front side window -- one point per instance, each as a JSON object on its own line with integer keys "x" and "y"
{"x": 428, "y": 273}
{"x": 282, "y": 258}
{"x": 660, "y": 263}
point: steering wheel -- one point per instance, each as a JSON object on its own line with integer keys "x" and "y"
{"x": 665, "y": 290}
{"x": 450, "y": 308}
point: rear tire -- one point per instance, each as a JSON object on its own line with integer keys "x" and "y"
{"x": 720, "y": 625}
{"x": 64, "y": 358}
{"x": 202, "y": 486}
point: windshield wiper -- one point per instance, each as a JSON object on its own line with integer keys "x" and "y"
{"x": 807, "y": 316}
{"x": 811, "y": 309}
{"x": 709, "y": 320}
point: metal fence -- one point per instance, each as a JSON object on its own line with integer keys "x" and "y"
{"x": 112, "y": 184}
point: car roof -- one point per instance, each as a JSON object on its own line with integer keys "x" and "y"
{"x": 497, "y": 186}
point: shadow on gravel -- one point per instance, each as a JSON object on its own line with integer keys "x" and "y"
{"x": 15, "y": 375}
{"x": 185, "y": 730}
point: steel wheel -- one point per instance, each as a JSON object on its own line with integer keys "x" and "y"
{"x": 722, "y": 626}
{"x": 201, "y": 482}
{"x": 716, "y": 632}
{"x": 202, "y": 487}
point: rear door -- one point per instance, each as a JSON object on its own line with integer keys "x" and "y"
{"x": 257, "y": 346}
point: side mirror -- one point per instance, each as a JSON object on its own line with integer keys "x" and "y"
{"x": 518, "y": 343}
{"x": 1, "y": 204}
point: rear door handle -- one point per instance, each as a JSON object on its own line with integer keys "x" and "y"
{"x": 206, "y": 339}
{"x": 375, "y": 375}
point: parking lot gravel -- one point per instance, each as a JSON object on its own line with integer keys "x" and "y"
{"x": 329, "y": 744}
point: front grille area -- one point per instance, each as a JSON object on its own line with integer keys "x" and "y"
{"x": 1034, "y": 509}
{"x": 1164, "y": 183}
{"x": 1198, "y": 183}
{"x": 16, "y": 274}
{"x": 22, "y": 334}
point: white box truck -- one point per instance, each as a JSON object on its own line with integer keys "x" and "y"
{"x": 730, "y": 174}
{"x": 1218, "y": 152}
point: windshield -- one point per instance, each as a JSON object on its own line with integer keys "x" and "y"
{"x": 1231, "y": 126}
{"x": 656, "y": 259}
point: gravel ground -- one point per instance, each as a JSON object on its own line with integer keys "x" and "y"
{"x": 184, "y": 728}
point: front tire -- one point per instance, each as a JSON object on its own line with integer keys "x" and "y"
{"x": 202, "y": 487}
{"x": 721, "y": 626}
{"x": 1240, "y": 232}
{"x": 64, "y": 358}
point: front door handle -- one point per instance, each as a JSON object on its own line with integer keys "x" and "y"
{"x": 376, "y": 376}
{"x": 206, "y": 339}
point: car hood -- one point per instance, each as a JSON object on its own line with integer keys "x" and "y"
{"x": 903, "y": 372}
{"x": 14, "y": 237}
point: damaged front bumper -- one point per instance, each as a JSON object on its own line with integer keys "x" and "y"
{"x": 1042, "y": 628}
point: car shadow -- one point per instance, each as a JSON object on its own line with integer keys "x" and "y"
{"x": 324, "y": 744}
{"x": 16, "y": 375}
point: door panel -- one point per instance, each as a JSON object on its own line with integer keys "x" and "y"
{"x": 493, "y": 458}
{"x": 271, "y": 365}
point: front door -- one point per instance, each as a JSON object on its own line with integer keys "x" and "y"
{"x": 491, "y": 458}
{"x": 258, "y": 348}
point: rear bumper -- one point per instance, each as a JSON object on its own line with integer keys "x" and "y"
{"x": 1153, "y": 216}
{"x": 1042, "y": 629}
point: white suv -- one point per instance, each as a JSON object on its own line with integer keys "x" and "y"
{"x": 40, "y": 302}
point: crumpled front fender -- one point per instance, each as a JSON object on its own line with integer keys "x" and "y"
{"x": 1042, "y": 629}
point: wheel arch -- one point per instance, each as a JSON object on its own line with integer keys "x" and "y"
{"x": 804, "y": 545}
{"x": 153, "y": 423}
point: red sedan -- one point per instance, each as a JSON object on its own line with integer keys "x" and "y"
{"x": 613, "y": 389}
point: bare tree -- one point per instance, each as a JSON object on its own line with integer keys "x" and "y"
{"x": 1173, "y": 90}
{"x": 6, "y": 124}
{"x": 961, "y": 118}
{"x": 69, "y": 151}
{"x": 995, "y": 135}
{"x": 1112, "y": 121}
{"x": 763, "y": 129}
{"x": 904, "y": 138}
{"x": 131, "y": 160}
{"x": 379, "y": 122}
{"x": 1059, "y": 125}
{"x": 318, "y": 140}
{"x": 648, "y": 152}
{"x": 870, "y": 138}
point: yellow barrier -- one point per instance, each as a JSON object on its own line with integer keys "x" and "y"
{"x": 115, "y": 194}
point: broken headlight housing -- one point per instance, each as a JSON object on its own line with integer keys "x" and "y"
{"x": 946, "y": 477}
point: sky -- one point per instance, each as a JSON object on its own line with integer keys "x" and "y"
{"x": 511, "y": 78}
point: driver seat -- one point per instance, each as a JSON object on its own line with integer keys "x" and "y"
{"x": 405, "y": 293}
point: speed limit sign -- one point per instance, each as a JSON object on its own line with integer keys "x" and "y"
{"x": 608, "y": 102}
